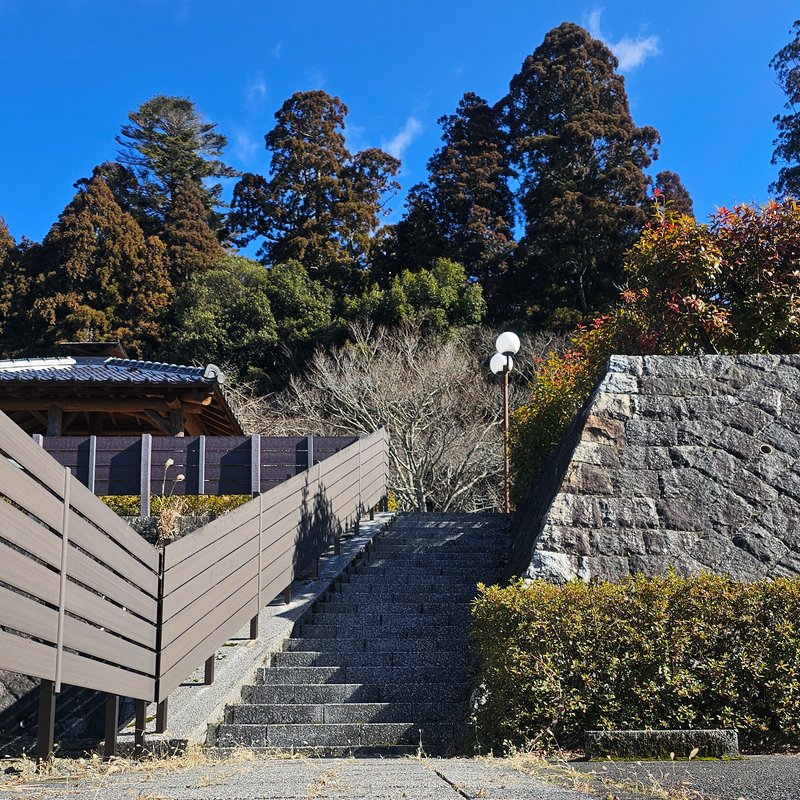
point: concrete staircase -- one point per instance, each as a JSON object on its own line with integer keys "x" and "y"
{"x": 381, "y": 663}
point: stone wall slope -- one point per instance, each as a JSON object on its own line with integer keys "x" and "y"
{"x": 683, "y": 462}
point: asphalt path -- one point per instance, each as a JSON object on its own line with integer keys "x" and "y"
{"x": 750, "y": 778}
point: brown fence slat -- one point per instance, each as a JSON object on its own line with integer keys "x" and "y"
{"x": 225, "y": 570}
{"x": 207, "y": 619}
{"x": 205, "y": 558}
{"x": 92, "y": 674}
{"x": 27, "y": 656}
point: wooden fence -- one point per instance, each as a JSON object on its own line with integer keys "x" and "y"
{"x": 136, "y": 465}
{"x": 84, "y": 600}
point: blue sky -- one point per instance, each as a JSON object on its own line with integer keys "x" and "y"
{"x": 72, "y": 69}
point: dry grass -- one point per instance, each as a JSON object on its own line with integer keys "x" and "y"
{"x": 27, "y": 772}
{"x": 607, "y": 777}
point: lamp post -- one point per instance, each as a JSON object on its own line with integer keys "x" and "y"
{"x": 507, "y": 345}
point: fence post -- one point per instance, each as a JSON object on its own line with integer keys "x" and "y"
{"x": 254, "y": 620}
{"x": 161, "y": 715}
{"x": 144, "y": 475}
{"x": 38, "y": 439}
{"x": 112, "y": 725}
{"x": 310, "y": 452}
{"x": 45, "y": 735}
{"x": 92, "y": 465}
{"x": 208, "y": 669}
{"x": 255, "y": 464}
{"x": 62, "y": 584}
{"x": 201, "y": 466}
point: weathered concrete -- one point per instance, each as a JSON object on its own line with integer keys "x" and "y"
{"x": 689, "y": 463}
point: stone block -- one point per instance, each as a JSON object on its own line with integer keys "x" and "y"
{"x": 679, "y": 515}
{"x": 665, "y": 745}
{"x": 652, "y": 458}
{"x": 659, "y": 407}
{"x": 647, "y": 432}
{"x": 632, "y": 365}
{"x": 604, "y": 431}
{"x": 628, "y": 512}
{"x": 573, "y": 510}
{"x": 612, "y": 406}
{"x": 598, "y": 454}
{"x": 619, "y": 383}
{"x": 680, "y": 483}
{"x": 760, "y": 544}
{"x": 587, "y": 479}
{"x": 635, "y": 483}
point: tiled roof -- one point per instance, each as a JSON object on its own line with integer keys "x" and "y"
{"x": 105, "y": 370}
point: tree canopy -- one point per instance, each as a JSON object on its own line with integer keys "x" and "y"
{"x": 581, "y": 163}
{"x": 465, "y": 211}
{"x": 321, "y": 203}
{"x": 786, "y": 64}
{"x": 165, "y": 141}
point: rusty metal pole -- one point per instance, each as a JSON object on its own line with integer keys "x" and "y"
{"x": 506, "y": 456}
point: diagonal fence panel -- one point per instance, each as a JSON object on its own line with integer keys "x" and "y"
{"x": 84, "y": 600}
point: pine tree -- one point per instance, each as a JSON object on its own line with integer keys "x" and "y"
{"x": 464, "y": 211}
{"x": 165, "y": 141}
{"x": 580, "y": 159}
{"x": 8, "y": 287}
{"x": 321, "y": 204}
{"x": 787, "y": 146}
{"x": 191, "y": 244}
{"x": 100, "y": 276}
{"x": 669, "y": 186}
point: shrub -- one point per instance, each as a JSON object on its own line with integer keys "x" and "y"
{"x": 663, "y": 652}
{"x": 127, "y": 505}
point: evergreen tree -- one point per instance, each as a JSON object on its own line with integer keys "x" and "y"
{"x": 165, "y": 141}
{"x": 465, "y": 210}
{"x": 223, "y": 315}
{"x": 580, "y": 159}
{"x": 98, "y": 276}
{"x": 8, "y": 287}
{"x": 670, "y": 188}
{"x": 191, "y": 244}
{"x": 321, "y": 204}
{"x": 787, "y": 146}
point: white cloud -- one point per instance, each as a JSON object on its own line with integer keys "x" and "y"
{"x": 398, "y": 144}
{"x": 630, "y": 52}
{"x": 245, "y": 148}
{"x": 257, "y": 91}
{"x": 277, "y": 51}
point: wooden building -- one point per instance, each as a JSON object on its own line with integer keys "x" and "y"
{"x": 94, "y": 389}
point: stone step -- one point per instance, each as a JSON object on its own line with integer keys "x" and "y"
{"x": 414, "y": 580}
{"x": 262, "y": 694}
{"x": 431, "y": 736}
{"x": 346, "y": 629}
{"x": 354, "y": 594}
{"x": 376, "y": 675}
{"x": 311, "y": 658}
{"x": 382, "y": 645}
{"x": 336, "y": 713}
{"x": 388, "y": 618}
{"x": 338, "y": 604}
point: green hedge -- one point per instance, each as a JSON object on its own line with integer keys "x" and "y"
{"x": 127, "y": 505}
{"x": 666, "y": 652}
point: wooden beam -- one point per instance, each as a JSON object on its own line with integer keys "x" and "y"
{"x": 54, "y": 419}
{"x": 158, "y": 421}
{"x": 106, "y": 405}
{"x": 176, "y": 422}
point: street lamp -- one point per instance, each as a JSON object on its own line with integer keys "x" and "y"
{"x": 507, "y": 345}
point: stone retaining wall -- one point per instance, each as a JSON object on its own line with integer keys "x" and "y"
{"x": 681, "y": 462}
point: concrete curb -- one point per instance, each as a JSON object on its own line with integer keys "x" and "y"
{"x": 193, "y": 706}
{"x": 680, "y": 744}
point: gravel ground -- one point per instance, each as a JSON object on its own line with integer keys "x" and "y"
{"x": 750, "y": 778}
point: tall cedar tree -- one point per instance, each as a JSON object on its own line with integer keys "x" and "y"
{"x": 581, "y": 160}
{"x": 787, "y": 146}
{"x": 191, "y": 244}
{"x": 669, "y": 187}
{"x": 7, "y": 248}
{"x": 321, "y": 203}
{"x": 165, "y": 141}
{"x": 465, "y": 211}
{"x": 99, "y": 276}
